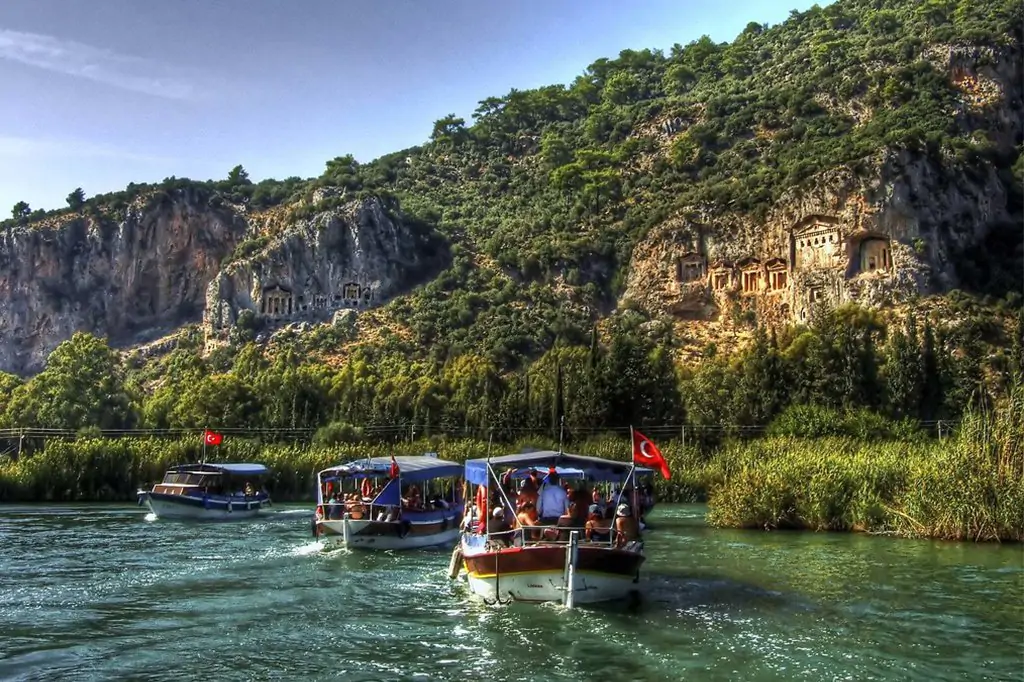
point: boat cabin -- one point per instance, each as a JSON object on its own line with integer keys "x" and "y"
{"x": 596, "y": 490}
{"x": 243, "y": 478}
{"x": 386, "y": 489}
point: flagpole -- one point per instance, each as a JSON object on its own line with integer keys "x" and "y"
{"x": 204, "y": 446}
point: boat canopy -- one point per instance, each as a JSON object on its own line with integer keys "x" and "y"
{"x": 234, "y": 468}
{"x": 412, "y": 469}
{"x": 593, "y": 468}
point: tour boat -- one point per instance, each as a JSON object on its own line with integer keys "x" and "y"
{"x": 541, "y": 564}
{"x": 391, "y": 503}
{"x": 209, "y": 492}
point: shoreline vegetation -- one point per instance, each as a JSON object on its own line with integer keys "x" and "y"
{"x": 967, "y": 486}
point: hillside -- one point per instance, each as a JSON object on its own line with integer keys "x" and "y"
{"x": 867, "y": 153}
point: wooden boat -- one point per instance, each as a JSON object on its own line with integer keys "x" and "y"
{"x": 207, "y": 491}
{"x": 389, "y": 503}
{"x": 548, "y": 563}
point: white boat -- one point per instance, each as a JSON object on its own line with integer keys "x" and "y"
{"x": 386, "y": 503}
{"x": 209, "y": 492}
{"x": 553, "y": 563}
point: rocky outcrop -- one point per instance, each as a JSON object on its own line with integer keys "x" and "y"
{"x": 874, "y": 233}
{"x": 347, "y": 259}
{"x": 874, "y": 236}
{"x": 126, "y": 279}
{"x": 184, "y": 255}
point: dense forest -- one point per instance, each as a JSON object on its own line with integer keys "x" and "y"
{"x": 848, "y": 373}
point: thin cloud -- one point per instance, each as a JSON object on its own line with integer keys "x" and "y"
{"x": 31, "y": 147}
{"x": 96, "y": 63}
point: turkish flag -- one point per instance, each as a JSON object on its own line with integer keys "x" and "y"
{"x": 393, "y": 473}
{"x": 212, "y": 437}
{"x": 647, "y": 454}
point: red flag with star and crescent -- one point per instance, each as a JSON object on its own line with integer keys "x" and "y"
{"x": 212, "y": 437}
{"x": 647, "y": 454}
{"x": 394, "y": 471}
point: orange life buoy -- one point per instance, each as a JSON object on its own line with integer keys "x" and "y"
{"x": 367, "y": 487}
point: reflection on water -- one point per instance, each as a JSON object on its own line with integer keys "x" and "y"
{"x": 96, "y": 592}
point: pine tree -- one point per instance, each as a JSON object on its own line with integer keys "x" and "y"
{"x": 558, "y": 405}
{"x": 931, "y": 378}
{"x": 903, "y": 380}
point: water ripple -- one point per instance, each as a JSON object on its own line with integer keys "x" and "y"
{"x": 92, "y": 592}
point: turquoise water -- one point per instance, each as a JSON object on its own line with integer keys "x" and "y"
{"x": 100, "y": 592}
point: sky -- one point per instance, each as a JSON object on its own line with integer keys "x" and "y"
{"x": 99, "y": 94}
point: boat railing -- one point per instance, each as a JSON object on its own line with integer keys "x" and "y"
{"x": 384, "y": 513}
{"x": 542, "y": 535}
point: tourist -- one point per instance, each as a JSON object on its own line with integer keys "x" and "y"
{"x": 597, "y": 528}
{"x": 527, "y": 517}
{"x": 552, "y": 502}
{"x": 626, "y": 529}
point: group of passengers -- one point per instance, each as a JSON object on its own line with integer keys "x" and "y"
{"x": 548, "y": 508}
{"x": 358, "y": 505}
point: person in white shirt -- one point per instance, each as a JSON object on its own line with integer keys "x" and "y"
{"x": 552, "y": 501}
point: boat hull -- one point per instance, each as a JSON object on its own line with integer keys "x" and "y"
{"x": 214, "y": 509}
{"x": 536, "y": 573}
{"x": 383, "y": 535}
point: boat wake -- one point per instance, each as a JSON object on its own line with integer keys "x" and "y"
{"x": 306, "y": 550}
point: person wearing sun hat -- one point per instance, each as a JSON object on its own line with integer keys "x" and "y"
{"x": 626, "y": 529}
{"x": 597, "y": 528}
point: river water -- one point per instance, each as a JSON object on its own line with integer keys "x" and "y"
{"x": 104, "y": 592}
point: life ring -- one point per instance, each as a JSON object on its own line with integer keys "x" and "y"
{"x": 366, "y": 488}
{"x": 455, "y": 565}
{"x": 403, "y": 528}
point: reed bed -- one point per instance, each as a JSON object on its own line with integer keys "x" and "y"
{"x": 968, "y": 487}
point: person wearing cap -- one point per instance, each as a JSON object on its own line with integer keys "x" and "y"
{"x": 626, "y": 529}
{"x": 496, "y": 525}
{"x": 552, "y": 502}
{"x": 597, "y": 528}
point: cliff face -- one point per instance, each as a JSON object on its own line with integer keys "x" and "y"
{"x": 350, "y": 259}
{"x": 124, "y": 280}
{"x": 160, "y": 267}
{"x": 874, "y": 233}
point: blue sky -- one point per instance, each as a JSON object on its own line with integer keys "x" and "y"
{"x": 102, "y": 93}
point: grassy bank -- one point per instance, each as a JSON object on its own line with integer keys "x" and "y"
{"x": 111, "y": 470}
{"x": 970, "y": 486}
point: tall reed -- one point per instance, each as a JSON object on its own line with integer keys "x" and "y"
{"x": 970, "y": 486}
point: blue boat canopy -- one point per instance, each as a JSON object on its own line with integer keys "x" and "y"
{"x": 592, "y": 468}
{"x": 234, "y": 468}
{"x": 412, "y": 469}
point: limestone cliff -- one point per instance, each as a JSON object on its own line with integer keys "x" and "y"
{"x": 158, "y": 265}
{"x": 875, "y": 232}
{"x": 351, "y": 258}
{"x": 124, "y": 279}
